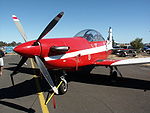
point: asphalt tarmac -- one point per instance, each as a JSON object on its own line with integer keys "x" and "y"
{"x": 97, "y": 94}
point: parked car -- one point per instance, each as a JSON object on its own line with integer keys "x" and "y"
{"x": 124, "y": 51}
{"x": 147, "y": 49}
{"x": 116, "y": 49}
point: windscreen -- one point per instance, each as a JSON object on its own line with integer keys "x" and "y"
{"x": 90, "y": 35}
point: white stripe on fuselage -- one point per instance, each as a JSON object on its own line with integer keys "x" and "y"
{"x": 80, "y": 52}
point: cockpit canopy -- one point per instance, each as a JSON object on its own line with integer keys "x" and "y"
{"x": 90, "y": 35}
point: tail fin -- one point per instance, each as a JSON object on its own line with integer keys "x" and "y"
{"x": 110, "y": 39}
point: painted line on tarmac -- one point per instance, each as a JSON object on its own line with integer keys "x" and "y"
{"x": 40, "y": 94}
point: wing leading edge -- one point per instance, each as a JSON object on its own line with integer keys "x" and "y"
{"x": 109, "y": 62}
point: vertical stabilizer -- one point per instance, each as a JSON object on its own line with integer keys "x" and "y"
{"x": 109, "y": 39}
{"x": 110, "y": 34}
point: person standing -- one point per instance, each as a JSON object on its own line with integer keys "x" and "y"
{"x": 2, "y": 54}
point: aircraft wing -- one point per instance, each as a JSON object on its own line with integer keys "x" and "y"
{"x": 110, "y": 62}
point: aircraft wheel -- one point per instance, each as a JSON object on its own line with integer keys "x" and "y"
{"x": 63, "y": 87}
{"x": 123, "y": 54}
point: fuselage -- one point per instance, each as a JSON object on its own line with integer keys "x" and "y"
{"x": 81, "y": 52}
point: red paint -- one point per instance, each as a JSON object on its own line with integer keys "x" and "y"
{"x": 14, "y": 17}
{"x": 26, "y": 49}
{"x": 75, "y": 43}
{"x": 54, "y": 102}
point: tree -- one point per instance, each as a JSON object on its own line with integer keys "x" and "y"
{"x": 2, "y": 43}
{"x": 137, "y": 43}
{"x": 9, "y": 44}
{"x": 12, "y": 43}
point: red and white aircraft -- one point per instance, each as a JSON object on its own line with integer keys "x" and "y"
{"x": 86, "y": 49}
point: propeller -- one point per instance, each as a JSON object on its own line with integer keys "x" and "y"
{"x": 23, "y": 34}
{"x": 40, "y": 64}
{"x": 45, "y": 73}
{"x": 22, "y": 61}
{"x": 19, "y": 27}
{"x": 50, "y": 25}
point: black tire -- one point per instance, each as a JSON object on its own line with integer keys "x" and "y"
{"x": 148, "y": 51}
{"x": 134, "y": 55}
{"x": 122, "y": 54}
{"x": 63, "y": 87}
{"x": 57, "y": 79}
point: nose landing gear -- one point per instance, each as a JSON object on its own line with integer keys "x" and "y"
{"x": 64, "y": 86}
{"x": 60, "y": 82}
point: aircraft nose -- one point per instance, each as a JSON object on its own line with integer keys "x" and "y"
{"x": 27, "y": 50}
{"x": 22, "y": 50}
{"x": 18, "y": 49}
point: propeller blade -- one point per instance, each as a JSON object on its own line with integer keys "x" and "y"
{"x": 19, "y": 27}
{"x": 22, "y": 61}
{"x": 46, "y": 74}
{"x": 50, "y": 25}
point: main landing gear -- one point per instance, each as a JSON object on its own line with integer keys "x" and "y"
{"x": 114, "y": 73}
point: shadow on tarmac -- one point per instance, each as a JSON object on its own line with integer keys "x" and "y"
{"x": 12, "y": 63}
{"x": 25, "y": 70}
{"x": 105, "y": 80}
{"x": 25, "y": 88}
{"x": 18, "y": 107}
{"x": 28, "y": 87}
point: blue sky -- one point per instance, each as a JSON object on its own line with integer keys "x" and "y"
{"x": 128, "y": 18}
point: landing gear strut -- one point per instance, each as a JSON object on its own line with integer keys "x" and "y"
{"x": 61, "y": 83}
{"x": 60, "y": 76}
{"x": 64, "y": 86}
{"x": 114, "y": 72}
